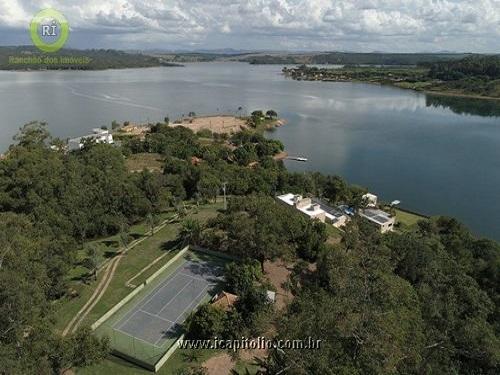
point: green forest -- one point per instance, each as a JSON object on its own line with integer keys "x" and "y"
{"x": 95, "y": 59}
{"x": 261, "y": 58}
{"x": 474, "y": 75}
{"x": 420, "y": 301}
{"x": 424, "y": 299}
{"x": 349, "y": 58}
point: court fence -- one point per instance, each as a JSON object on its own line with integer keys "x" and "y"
{"x": 133, "y": 349}
{"x": 120, "y": 304}
{"x": 130, "y": 348}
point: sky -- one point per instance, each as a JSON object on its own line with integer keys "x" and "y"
{"x": 275, "y": 25}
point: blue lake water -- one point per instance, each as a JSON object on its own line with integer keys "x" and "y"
{"x": 438, "y": 155}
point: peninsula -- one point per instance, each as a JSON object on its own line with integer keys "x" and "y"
{"x": 472, "y": 76}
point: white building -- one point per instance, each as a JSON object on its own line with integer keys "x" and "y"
{"x": 381, "y": 219}
{"x": 371, "y": 200}
{"x": 98, "y": 136}
{"x": 315, "y": 209}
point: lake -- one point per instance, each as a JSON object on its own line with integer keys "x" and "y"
{"x": 438, "y": 155}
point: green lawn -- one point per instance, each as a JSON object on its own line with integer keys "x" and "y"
{"x": 181, "y": 359}
{"x": 133, "y": 262}
{"x": 334, "y": 234}
{"x": 408, "y": 219}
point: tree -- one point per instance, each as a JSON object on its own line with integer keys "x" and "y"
{"x": 206, "y": 323}
{"x": 92, "y": 262}
{"x": 33, "y": 134}
{"x": 336, "y": 190}
{"x": 272, "y": 114}
{"x": 208, "y": 186}
{"x": 257, "y": 114}
{"x": 124, "y": 235}
{"x": 361, "y": 312}
{"x": 152, "y": 221}
{"x": 240, "y": 277}
{"x": 253, "y": 304}
{"x": 459, "y": 336}
{"x": 257, "y": 117}
{"x": 190, "y": 232}
{"x": 80, "y": 349}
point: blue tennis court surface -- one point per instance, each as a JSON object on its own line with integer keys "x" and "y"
{"x": 159, "y": 315}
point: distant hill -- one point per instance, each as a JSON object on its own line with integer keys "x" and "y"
{"x": 30, "y": 58}
{"x": 294, "y": 58}
{"x": 486, "y": 67}
{"x": 473, "y": 76}
{"x": 350, "y": 58}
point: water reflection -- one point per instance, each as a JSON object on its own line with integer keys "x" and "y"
{"x": 465, "y": 106}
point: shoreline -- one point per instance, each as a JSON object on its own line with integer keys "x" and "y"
{"x": 456, "y": 95}
{"x": 430, "y": 92}
{"x": 88, "y": 70}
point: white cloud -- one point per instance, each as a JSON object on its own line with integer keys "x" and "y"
{"x": 363, "y": 25}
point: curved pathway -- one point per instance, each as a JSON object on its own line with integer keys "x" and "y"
{"x": 109, "y": 270}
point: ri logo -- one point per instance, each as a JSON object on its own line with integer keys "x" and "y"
{"x": 49, "y": 30}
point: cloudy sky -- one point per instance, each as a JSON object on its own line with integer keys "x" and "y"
{"x": 344, "y": 25}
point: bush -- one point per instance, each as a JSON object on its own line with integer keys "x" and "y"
{"x": 205, "y": 133}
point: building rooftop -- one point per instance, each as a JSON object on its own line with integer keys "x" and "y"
{"x": 225, "y": 300}
{"x": 312, "y": 207}
{"x": 377, "y": 216}
{"x": 288, "y": 198}
{"x": 332, "y": 213}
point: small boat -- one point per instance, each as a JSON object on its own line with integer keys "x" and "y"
{"x": 297, "y": 158}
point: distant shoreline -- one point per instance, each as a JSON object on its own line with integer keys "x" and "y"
{"x": 28, "y": 58}
{"x": 3, "y": 69}
{"x": 430, "y": 92}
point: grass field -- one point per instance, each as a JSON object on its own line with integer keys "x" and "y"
{"x": 145, "y": 161}
{"x": 408, "y": 219}
{"x": 334, "y": 234}
{"x": 180, "y": 360}
{"x": 135, "y": 260}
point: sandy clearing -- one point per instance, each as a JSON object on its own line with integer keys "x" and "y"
{"x": 217, "y": 124}
{"x": 278, "y": 273}
{"x": 219, "y": 365}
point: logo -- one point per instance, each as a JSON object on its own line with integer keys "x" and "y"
{"x": 49, "y": 30}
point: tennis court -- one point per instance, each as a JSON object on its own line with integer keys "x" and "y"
{"x": 158, "y": 316}
{"x": 145, "y": 325}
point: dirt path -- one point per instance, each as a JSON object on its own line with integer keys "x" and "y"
{"x": 100, "y": 292}
{"x": 109, "y": 268}
{"x": 84, "y": 308}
